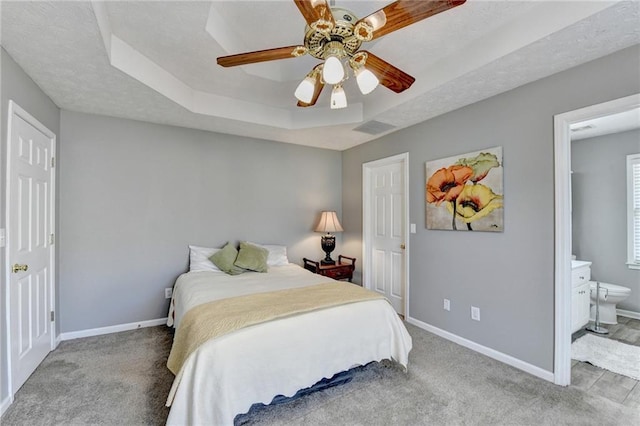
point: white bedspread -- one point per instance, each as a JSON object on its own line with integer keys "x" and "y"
{"x": 225, "y": 376}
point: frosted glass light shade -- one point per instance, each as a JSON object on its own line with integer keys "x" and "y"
{"x": 333, "y": 71}
{"x": 338, "y": 98}
{"x": 367, "y": 81}
{"x": 305, "y": 90}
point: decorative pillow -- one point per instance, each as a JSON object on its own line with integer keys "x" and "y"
{"x": 252, "y": 257}
{"x": 224, "y": 259}
{"x": 199, "y": 259}
{"x": 277, "y": 254}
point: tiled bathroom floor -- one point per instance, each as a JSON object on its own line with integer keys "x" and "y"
{"x": 617, "y": 388}
{"x": 627, "y": 331}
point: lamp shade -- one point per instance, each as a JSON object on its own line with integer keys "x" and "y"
{"x": 367, "y": 81}
{"x": 338, "y": 97}
{"x": 332, "y": 72}
{"x": 305, "y": 90}
{"x": 329, "y": 223}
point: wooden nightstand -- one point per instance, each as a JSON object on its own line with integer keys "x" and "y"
{"x": 340, "y": 271}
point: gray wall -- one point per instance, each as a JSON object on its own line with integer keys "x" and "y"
{"x": 134, "y": 195}
{"x": 17, "y": 86}
{"x": 599, "y": 215}
{"x": 508, "y": 275}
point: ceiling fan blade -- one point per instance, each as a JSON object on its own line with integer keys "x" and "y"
{"x": 400, "y": 14}
{"x": 313, "y": 10}
{"x": 317, "y": 88}
{"x": 389, "y": 76}
{"x": 261, "y": 56}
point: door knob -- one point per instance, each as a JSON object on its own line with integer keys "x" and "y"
{"x": 17, "y": 268}
{"x": 402, "y": 246}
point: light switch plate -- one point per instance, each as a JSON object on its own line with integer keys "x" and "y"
{"x": 475, "y": 313}
{"x": 412, "y": 228}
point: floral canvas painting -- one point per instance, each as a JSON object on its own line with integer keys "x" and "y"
{"x": 465, "y": 192}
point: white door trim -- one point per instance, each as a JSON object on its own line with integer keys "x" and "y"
{"x": 367, "y": 220}
{"x": 16, "y": 111}
{"x": 562, "y": 184}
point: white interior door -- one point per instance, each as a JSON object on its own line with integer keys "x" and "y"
{"x": 30, "y": 234}
{"x": 385, "y": 231}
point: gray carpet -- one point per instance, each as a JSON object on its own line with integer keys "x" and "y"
{"x": 114, "y": 379}
{"x": 121, "y": 379}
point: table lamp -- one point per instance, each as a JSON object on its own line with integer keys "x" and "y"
{"x": 328, "y": 223}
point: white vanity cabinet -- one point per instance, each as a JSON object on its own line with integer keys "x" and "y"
{"x": 580, "y": 299}
{"x": 580, "y": 294}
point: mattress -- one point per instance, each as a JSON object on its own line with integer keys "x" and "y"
{"x": 226, "y": 375}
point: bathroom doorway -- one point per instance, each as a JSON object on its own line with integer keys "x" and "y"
{"x": 564, "y": 124}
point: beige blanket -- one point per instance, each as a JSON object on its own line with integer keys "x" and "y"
{"x": 220, "y": 317}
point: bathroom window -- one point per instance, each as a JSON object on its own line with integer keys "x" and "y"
{"x": 633, "y": 211}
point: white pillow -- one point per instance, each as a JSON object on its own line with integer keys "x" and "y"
{"x": 277, "y": 254}
{"x": 199, "y": 259}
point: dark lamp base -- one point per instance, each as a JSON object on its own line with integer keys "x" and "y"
{"x": 328, "y": 243}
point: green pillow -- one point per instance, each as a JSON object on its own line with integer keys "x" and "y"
{"x": 252, "y": 257}
{"x": 225, "y": 258}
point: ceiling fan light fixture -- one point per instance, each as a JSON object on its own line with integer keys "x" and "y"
{"x": 363, "y": 31}
{"x": 304, "y": 91}
{"x": 334, "y": 36}
{"x": 338, "y": 97}
{"x": 333, "y": 71}
{"x": 376, "y": 20}
{"x": 322, "y": 26}
{"x": 367, "y": 81}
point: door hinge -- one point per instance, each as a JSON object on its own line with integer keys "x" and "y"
{"x": 53, "y": 316}
{"x": 51, "y": 239}
{"x": 53, "y": 161}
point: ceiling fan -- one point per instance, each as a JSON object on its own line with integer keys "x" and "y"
{"x": 334, "y": 35}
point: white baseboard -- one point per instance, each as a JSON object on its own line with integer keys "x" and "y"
{"x": 5, "y": 404}
{"x": 111, "y": 329}
{"x": 491, "y": 353}
{"x": 628, "y": 314}
{"x": 58, "y": 340}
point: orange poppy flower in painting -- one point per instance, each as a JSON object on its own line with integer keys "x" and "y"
{"x": 447, "y": 184}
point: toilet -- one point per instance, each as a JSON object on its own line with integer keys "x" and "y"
{"x": 610, "y": 296}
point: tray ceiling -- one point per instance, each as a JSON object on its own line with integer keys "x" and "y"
{"x": 156, "y": 61}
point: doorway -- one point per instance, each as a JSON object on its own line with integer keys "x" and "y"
{"x": 386, "y": 228}
{"x": 563, "y": 237}
{"x": 30, "y": 266}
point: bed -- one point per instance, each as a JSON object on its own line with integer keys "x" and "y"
{"x": 225, "y": 375}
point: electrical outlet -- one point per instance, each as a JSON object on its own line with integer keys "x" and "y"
{"x": 475, "y": 313}
{"x": 168, "y": 293}
{"x": 447, "y": 305}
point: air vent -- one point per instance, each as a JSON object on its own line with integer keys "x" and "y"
{"x": 374, "y": 127}
{"x": 582, "y": 128}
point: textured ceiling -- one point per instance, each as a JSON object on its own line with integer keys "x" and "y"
{"x": 156, "y": 61}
